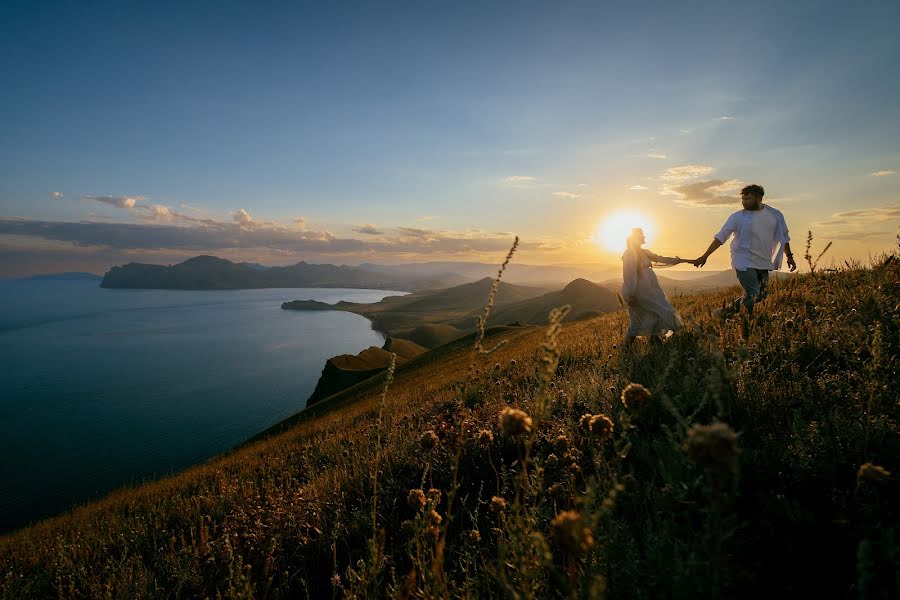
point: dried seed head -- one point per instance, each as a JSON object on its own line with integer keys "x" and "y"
{"x": 475, "y": 536}
{"x": 552, "y": 462}
{"x": 561, "y": 443}
{"x": 416, "y": 499}
{"x": 872, "y": 474}
{"x": 635, "y": 396}
{"x": 433, "y": 518}
{"x": 570, "y": 533}
{"x": 434, "y": 496}
{"x": 601, "y": 426}
{"x": 713, "y": 446}
{"x": 514, "y": 421}
{"x": 585, "y": 422}
{"x": 497, "y": 367}
{"x": 557, "y": 491}
{"x": 512, "y": 362}
{"x": 428, "y": 440}
{"x": 485, "y": 436}
{"x": 498, "y": 504}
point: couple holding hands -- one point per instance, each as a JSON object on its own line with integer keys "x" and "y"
{"x": 760, "y": 241}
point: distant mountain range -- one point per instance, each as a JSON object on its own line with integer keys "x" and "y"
{"x": 212, "y": 273}
{"x": 70, "y": 276}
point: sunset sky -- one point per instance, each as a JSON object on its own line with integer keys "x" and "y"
{"x": 412, "y": 131}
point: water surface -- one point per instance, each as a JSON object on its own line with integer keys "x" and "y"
{"x": 100, "y": 388}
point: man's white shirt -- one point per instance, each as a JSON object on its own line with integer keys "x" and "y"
{"x": 759, "y": 238}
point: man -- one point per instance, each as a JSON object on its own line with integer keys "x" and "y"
{"x": 760, "y": 239}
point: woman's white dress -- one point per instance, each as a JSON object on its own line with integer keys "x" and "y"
{"x": 650, "y": 310}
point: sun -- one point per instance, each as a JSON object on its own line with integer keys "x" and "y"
{"x": 612, "y": 232}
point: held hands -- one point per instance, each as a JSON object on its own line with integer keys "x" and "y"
{"x": 699, "y": 262}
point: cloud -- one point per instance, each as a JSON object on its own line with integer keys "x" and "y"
{"x": 117, "y": 201}
{"x": 226, "y": 237}
{"x": 884, "y": 173}
{"x": 685, "y": 172}
{"x": 656, "y": 155}
{"x": 714, "y": 192}
{"x": 426, "y": 218}
{"x": 883, "y": 213}
{"x": 519, "y": 179}
{"x": 637, "y": 188}
{"x": 299, "y": 222}
{"x": 725, "y": 118}
{"x": 686, "y": 131}
{"x": 858, "y": 235}
{"x": 568, "y": 195}
{"x": 242, "y": 217}
{"x": 367, "y": 229}
{"x": 56, "y": 195}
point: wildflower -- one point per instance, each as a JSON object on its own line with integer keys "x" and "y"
{"x": 635, "y": 396}
{"x": 428, "y": 440}
{"x": 601, "y": 426}
{"x": 872, "y": 473}
{"x": 485, "y": 436}
{"x": 514, "y": 421}
{"x": 570, "y": 533}
{"x": 713, "y": 446}
{"x": 498, "y": 504}
{"x": 336, "y": 580}
{"x": 416, "y": 499}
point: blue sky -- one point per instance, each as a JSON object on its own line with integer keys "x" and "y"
{"x": 389, "y": 132}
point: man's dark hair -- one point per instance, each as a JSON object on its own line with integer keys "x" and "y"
{"x": 754, "y": 190}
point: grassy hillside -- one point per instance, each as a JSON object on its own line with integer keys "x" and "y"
{"x": 757, "y": 467}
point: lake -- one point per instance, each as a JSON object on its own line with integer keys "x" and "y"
{"x": 101, "y": 388}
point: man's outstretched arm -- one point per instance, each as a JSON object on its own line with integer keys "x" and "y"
{"x": 713, "y": 246}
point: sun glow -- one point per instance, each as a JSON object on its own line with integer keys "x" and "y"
{"x": 612, "y": 233}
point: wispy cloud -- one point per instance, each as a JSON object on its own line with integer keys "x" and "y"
{"x": 883, "y": 173}
{"x": 117, "y": 201}
{"x": 569, "y": 195}
{"x": 656, "y": 155}
{"x": 519, "y": 179}
{"x": 725, "y": 118}
{"x": 56, "y": 195}
{"x": 882, "y": 213}
{"x": 638, "y": 188}
{"x": 685, "y": 172}
{"x": 426, "y": 218}
{"x": 367, "y": 229}
{"x": 713, "y": 192}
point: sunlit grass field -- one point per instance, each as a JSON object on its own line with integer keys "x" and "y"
{"x": 753, "y": 460}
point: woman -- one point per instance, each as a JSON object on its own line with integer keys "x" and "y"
{"x": 649, "y": 309}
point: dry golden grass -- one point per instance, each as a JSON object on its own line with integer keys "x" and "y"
{"x": 785, "y": 488}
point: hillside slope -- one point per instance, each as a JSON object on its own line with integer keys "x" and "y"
{"x": 635, "y": 501}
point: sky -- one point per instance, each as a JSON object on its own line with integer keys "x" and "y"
{"x": 392, "y": 132}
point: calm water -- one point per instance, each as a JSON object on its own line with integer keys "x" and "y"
{"x": 100, "y": 388}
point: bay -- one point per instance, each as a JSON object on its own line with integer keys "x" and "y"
{"x": 100, "y": 388}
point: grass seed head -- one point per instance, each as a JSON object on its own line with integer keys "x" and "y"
{"x": 635, "y": 396}
{"x": 570, "y": 533}
{"x": 514, "y": 421}
{"x": 713, "y": 446}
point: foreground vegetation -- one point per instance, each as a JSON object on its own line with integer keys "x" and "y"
{"x": 751, "y": 458}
